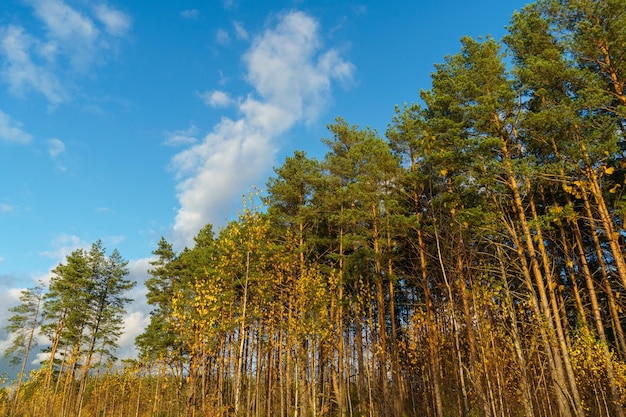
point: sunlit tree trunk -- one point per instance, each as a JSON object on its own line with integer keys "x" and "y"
{"x": 525, "y": 386}
{"x": 431, "y": 329}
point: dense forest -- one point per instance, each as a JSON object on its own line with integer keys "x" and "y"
{"x": 468, "y": 263}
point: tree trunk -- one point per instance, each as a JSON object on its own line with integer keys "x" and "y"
{"x": 525, "y": 387}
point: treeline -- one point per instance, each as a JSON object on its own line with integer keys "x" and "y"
{"x": 471, "y": 262}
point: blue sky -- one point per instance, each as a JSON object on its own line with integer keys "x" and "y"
{"x": 128, "y": 121}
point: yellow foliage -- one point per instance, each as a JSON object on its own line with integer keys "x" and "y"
{"x": 556, "y": 209}
{"x": 587, "y": 355}
{"x": 572, "y": 190}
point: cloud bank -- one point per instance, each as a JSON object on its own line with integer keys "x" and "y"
{"x": 291, "y": 76}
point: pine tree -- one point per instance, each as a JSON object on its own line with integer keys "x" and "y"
{"x": 83, "y": 311}
{"x": 158, "y": 339}
{"x": 23, "y": 325}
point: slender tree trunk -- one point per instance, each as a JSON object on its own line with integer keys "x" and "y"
{"x": 380, "y": 310}
{"x": 399, "y": 394}
{"x": 611, "y": 235}
{"x": 569, "y": 262}
{"x": 525, "y": 387}
{"x": 431, "y": 331}
{"x": 621, "y": 341}
{"x": 597, "y": 316}
{"x": 242, "y": 338}
{"x": 558, "y": 323}
{"x": 455, "y": 327}
{"x": 338, "y": 375}
{"x": 561, "y": 386}
{"x": 476, "y": 374}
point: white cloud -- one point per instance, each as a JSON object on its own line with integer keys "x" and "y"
{"x": 182, "y": 137}
{"x": 75, "y": 33}
{"x": 62, "y": 246}
{"x": 304, "y": 79}
{"x": 74, "y": 40}
{"x": 20, "y": 72}
{"x": 48, "y": 50}
{"x": 138, "y": 312}
{"x": 216, "y": 98}
{"x": 11, "y": 130}
{"x": 5, "y": 208}
{"x": 240, "y": 31}
{"x": 62, "y": 21}
{"x": 55, "y": 147}
{"x": 134, "y": 325}
{"x": 190, "y": 13}
{"x": 115, "y": 22}
{"x": 291, "y": 77}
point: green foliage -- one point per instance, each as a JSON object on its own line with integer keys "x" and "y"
{"x": 23, "y": 323}
{"x": 84, "y": 306}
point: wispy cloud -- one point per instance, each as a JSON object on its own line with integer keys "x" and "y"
{"x": 62, "y": 21}
{"x": 19, "y": 71}
{"x": 223, "y": 79}
{"x": 240, "y": 31}
{"x": 115, "y": 22}
{"x": 182, "y": 137}
{"x": 113, "y": 240}
{"x": 74, "y": 33}
{"x": 63, "y": 245}
{"x": 55, "y": 147}
{"x": 6, "y": 208}
{"x": 222, "y": 37}
{"x": 74, "y": 40}
{"x": 359, "y": 9}
{"x": 291, "y": 77}
{"x": 216, "y": 98}
{"x": 190, "y": 13}
{"x": 11, "y": 130}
